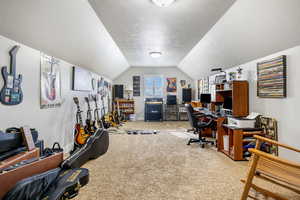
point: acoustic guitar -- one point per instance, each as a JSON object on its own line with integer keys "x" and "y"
{"x": 90, "y": 124}
{"x": 80, "y": 134}
{"x": 11, "y": 93}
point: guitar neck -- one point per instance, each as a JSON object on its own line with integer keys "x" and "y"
{"x": 79, "y": 116}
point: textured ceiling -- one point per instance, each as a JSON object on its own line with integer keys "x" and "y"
{"x": 250, "y": 29}
{"x": 67, "y": 29}
{"x": 138, "y": 27}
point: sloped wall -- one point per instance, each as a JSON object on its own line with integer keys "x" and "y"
{"x": 55, "y": 124}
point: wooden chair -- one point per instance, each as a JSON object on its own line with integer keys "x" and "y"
{"x": 273, "y": 169}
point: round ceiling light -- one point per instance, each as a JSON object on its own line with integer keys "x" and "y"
{"x": 155, "y": 54}
{"x": 163, "y": 3}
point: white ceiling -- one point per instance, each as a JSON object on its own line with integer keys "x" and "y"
{"x": 249, "y": 30}
{"x": 138, "y": 27}
{"x": 67, "y": 29}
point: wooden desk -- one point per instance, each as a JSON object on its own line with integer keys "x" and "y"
{"x": 236, "y": 139}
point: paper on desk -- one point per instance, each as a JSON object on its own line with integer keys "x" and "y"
{"x": 253, "y": 115}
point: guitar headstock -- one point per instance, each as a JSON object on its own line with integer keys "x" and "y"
{"x": 94, "y": 97}
{"x": 76, "y": 101}
{"x": 87, "y": 99}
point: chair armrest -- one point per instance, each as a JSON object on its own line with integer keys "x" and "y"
{"x": 274, "y": 158}
{"x": 276, "y": 143}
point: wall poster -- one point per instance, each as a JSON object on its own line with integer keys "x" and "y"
{"x": 136, "y": 85}
{"x": 50, "y": 82}
{"x": 271, "y": 78}
{"x": 171, "y": 85}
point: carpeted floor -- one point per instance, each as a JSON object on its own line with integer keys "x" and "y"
{"x": 162, "y": 167}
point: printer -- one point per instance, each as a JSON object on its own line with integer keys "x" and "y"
{"x": 243, "y": 122}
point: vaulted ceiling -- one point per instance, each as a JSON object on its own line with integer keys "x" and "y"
{"x": 139, "y": 27}
{"x": 109, "y": 36}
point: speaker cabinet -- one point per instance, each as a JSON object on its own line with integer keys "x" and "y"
{"x": 186, "y": 95}
{"x": 118, "y": 92}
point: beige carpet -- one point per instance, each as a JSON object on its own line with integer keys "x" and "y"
{"x": 162, "y": 167}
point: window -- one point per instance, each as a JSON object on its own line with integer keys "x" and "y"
{"x": 153, "y": 86}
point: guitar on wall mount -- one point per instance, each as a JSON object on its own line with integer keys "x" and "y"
{"x": 90, "y": 124}
{"x": 99, "y": 123}
{"x": 11, "y": 93}
{"x": 80, "y": 134}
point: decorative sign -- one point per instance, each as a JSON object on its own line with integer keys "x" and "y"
{"x": 27, "y": 137}
{"x": 50, "y": 82}
{"x": 136, "y": 83}
{"x": 171, "y": 85}
{"x": 271, "y": 78}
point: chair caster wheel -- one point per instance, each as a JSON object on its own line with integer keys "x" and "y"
{"x": 202, "y": 145}
{"x": 188, "y": 144}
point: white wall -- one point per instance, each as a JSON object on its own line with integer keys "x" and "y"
{"x": 55, "y": 124}
{"x": 286, "y": 110}
{"x": 247, "y": 31}
{"x": 167, "y": 72}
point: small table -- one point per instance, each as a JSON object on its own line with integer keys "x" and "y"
{"x": 237, "y": 139}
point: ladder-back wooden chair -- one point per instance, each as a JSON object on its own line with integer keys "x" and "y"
{"x": 271, "y": 168}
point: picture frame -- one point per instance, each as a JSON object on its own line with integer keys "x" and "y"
{"x": 272, "y": 78}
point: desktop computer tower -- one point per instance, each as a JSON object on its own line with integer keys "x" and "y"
{"x": 186, "y": 95}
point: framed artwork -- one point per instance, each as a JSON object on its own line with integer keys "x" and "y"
{"x": 136, "y": 85}
{"x": 271, "y": 78}
{"x": 171, "y": 85}
{"x": 82, "y": 80}
{"x": 50, "y": 82}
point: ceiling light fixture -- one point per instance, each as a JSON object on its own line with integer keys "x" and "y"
{"x": 155, "y": 54}
{"x": 163, "y": 3}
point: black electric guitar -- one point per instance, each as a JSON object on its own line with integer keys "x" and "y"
{"x": 99, "y": 123}
{"x": 105, "y": 117}
{"x": 11, "y": 93}
{"x": 90, "y": 124}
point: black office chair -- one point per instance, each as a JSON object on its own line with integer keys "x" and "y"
{"x": 199, "y": 122}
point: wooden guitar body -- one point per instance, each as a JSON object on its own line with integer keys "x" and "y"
{"x": 80, "y": 135}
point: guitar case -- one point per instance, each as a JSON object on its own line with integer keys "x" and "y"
{"x": 96, "y": 145}
{"x": 34, "y": 187}
{"x": 67, "y": 185}
{"x": 13, "y": 139}
{"x": 55, "y": 184}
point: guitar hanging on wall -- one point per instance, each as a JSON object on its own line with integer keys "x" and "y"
{"x": 11, "y": 93}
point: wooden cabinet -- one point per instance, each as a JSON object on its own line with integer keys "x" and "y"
{"x": 238, "y": 92}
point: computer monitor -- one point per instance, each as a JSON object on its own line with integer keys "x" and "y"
{"x": 227, "y": 103}
{"x": 205, "y": 98}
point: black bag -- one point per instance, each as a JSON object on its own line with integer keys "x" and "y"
{"x": 95, "y": 146}
{"x": 13, "y": 139}
{"x": 34, "y": 187}
{"x": 67, "y": 185}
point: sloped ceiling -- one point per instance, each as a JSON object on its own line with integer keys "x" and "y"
{"x": 249, "y": 30}
{"x": 139, "y": 27}
{"x": 67, "y": 29}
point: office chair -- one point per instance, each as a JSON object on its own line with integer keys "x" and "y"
{"x": 199, "y": 122}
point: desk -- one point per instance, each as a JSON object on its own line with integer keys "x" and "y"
{"x": 237, "y": 139}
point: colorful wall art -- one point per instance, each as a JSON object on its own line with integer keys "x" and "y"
{"x": 271, "y": 78}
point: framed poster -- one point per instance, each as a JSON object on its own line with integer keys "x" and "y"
{"x": 171, "y": 85}
{"x": 136, "y": 85}
{"x": 82, "y": 80}
{"x": 271, "y": 78}
{"x": 50, "y": 82}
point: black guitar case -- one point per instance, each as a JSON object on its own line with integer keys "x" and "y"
{"x": 56, "y": 184}
{"x": 67, "y": 185}
{"x": 96, "y": 145}
{"x": 13, "y": 139}
{"x": 34, "y": 187}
